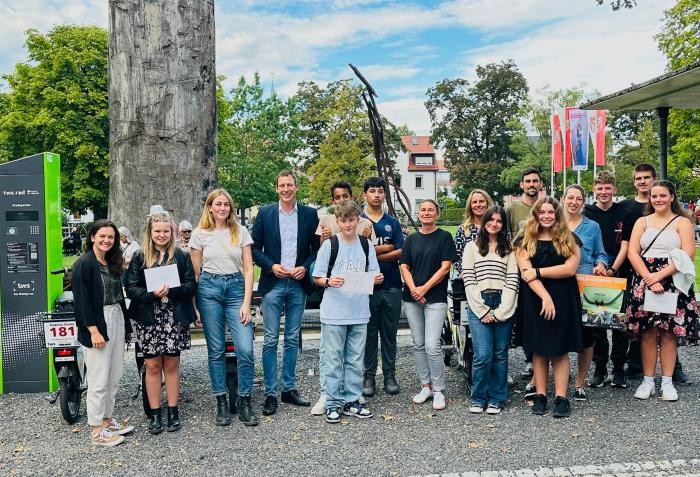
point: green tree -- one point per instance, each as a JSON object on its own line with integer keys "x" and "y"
{"x": 474, "y": 123}
{"x": 336, "y": 134}
{"x": 679, "y": 40}
{"x": 618, "y": 4}
{"x": 57, "y": 101}
{"x": 258, "y": 137}
{"x": 643, "y": 147}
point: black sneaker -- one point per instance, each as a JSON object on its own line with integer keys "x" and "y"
{"x": 679, "y": 376}
{"x": 562, "y": 407}
{"x": 580, "y": 395}
{"x": 357, "y": 410}
{"x": 333, "y": 415}
{"x": 634, "y": 372}
{"x": 529, "y": 391}
{"x": 600, "y": 377}
{"x": 618, "y": 379}
{"x": 540, "y": 406}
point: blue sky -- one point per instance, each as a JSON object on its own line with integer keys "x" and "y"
{"x": 403, "y": 48}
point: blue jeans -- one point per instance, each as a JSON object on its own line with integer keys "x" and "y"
{"x": 344, "y": 350}
{"x": 490, "y": 366}
{"x": 219, "y": 299}
{"x": 287, "y": 294}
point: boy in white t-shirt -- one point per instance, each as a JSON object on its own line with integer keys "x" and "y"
{"x": 344, "y": 315}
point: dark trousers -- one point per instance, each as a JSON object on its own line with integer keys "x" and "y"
{"x": 385, "y": 312}
{"x": 618, "y": 353}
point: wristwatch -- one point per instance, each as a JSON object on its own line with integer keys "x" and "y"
{"x": 614, "y": 270}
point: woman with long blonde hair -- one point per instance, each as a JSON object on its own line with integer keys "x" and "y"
{"x": 478, "y": 201}
{"x": 162, "y": 316}
{"x": 223, "y": 263}
{"x": 548, "y": 255}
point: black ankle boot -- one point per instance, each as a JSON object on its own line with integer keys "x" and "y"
{"x": 245, "y": 412}
{"x": 156, "y": 424}
{"x": 223, "y": 413}
{"x": 174, "y": 423}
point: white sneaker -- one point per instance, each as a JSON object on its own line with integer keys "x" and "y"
{"x": 106, "y": 439}
{"x": 646, "y": 389}
{"x": 362, "y": 400}
{"x": 116, "y": 428}
{"x": 476, "y": 409}
{"x": 668, "y": 392}
{"x": 319, "y": 408}
{"x": 439, "y": 401}
{"x": 424, "y": 394}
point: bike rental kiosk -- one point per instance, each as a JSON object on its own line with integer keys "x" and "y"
{"x": 30, "y": 247}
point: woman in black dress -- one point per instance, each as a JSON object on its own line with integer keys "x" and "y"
{"x": 548, "y": 255}
{"x": 162, "y": 316}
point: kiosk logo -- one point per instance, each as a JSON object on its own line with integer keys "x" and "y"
{"x": 23, "y": 288}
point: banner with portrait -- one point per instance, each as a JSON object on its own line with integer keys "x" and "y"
{"x": 602, "y": 299}
{"x": 578, "y": 130}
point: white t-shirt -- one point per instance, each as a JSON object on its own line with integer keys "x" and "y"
{"x": 337, "y": 306}
{"x": 215, "y": 259}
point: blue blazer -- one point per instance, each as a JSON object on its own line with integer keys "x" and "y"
{"x": 267, "y": 245}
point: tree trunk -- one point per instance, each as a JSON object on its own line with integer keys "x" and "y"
{"x": 162, "y": 109}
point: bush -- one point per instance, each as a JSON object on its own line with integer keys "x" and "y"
{"x": 452, "y": 216}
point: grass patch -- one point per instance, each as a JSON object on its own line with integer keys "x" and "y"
{"x": 450, "y": 228}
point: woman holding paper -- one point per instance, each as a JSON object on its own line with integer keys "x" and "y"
{"x": 426, "y": 259}
{"x": 662, "y": 300}
{"x": 163, "y": 314}
{"x": 594, "y": 261}
{"x": 221, "y": 250}
{"x": 548, "y": 255}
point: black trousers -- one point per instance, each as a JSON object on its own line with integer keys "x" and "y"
{"x": 601, "y": 348}
{"x": 385, "y": 312}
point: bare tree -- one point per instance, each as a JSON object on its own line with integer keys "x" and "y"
{"x": 162, "y": 108}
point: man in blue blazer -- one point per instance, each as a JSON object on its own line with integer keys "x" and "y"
{"x": 285, "y": 246}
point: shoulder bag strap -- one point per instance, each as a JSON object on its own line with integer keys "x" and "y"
{"x": 657, "y": 235}
{"x": 227, "y": 250}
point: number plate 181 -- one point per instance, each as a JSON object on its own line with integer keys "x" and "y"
{"x": 60, "y": 334}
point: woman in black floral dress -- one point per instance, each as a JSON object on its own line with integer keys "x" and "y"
{"x": 661, "y": 242}
{"x": 162, "y": 316}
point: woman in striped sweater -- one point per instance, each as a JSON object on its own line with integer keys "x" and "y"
{"x": 491, "y": 279}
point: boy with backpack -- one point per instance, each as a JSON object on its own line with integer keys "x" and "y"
{"x": 344, "y": 314}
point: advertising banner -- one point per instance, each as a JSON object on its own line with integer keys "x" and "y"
{"x": 602, "y": 299}
{"x": 578, "y": 130}
{"x": 555, "y": 126}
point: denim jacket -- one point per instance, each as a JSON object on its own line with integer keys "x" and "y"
{"x": 592, "y": 250}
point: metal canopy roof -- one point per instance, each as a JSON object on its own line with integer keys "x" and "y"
{"x": 679, "y": 89}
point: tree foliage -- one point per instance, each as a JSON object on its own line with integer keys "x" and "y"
{"x": 57, "y": 101}
{"x": 680, "y": 42}
{"x": 475, "y": 123}
{"x": 618, "y": 4}
{"x": 336, "y": 133}
{"x": 258, "y": 137}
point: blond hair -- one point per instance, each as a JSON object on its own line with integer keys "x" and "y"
{"x": 207, "y": 222}
{"x": 562, "y": 238}
{"x": 150, "y": 252}
{"x": 468, "y": 214}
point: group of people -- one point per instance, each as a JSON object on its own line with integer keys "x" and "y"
{"x": 517, "y": 268}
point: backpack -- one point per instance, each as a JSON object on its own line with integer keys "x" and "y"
{"x": 335, "y": 246}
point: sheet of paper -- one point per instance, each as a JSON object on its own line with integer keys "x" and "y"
{"x": 660, "y": 302}
{"x": 358, "y": 282}
{"x": 158, "y": 276}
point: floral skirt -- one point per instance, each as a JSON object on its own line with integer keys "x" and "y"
{"x": 683, "y": 324}
{"x": 166, "y": 335}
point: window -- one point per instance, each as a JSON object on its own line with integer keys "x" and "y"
{"x": 423, "y": 160}
{"x": 419, "y": 182}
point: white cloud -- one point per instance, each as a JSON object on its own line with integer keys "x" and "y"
{"x": 605, "y": 51}
{"x": 407, "y": 111}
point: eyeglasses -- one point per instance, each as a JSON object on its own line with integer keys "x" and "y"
{"x": 186, "y": 231}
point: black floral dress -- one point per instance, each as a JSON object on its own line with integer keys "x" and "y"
{"x": 683, "y": 324}
{"x": 167, "y": 335}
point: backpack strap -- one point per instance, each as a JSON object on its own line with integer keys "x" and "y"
{"x": 365, "y": 248}
{"x": 334, "y": 254}
{"x": 335, "y": 245}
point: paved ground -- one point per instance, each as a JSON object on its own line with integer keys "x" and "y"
{"x": 402, "y": 439}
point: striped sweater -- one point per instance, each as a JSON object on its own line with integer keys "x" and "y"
{"x": 490, "y": 272}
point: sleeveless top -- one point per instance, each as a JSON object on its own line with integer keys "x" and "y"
{"x": 668, "y": 240}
